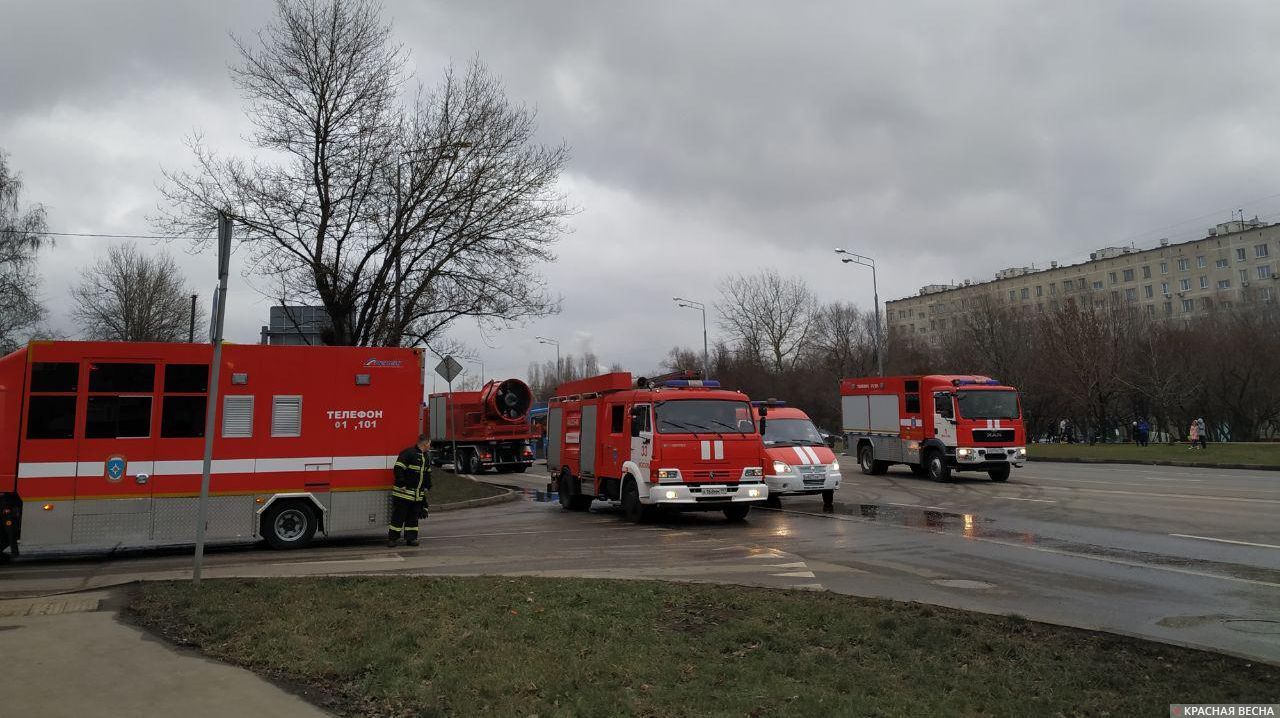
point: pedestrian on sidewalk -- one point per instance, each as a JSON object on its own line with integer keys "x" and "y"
{"x": 1193, "y": 436}
{"x": 1144, "y": 432}
{"x": 1200, "y": 432}
{"x": 409, "y": 493}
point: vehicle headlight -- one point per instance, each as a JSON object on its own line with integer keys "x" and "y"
{"x": 782, "y": 467}
{"x": 964, "y": 453}
{"x": 671, "y": 494}
{"x": 754, "y": 472}
{"x": 1022, "y": 451}
{"x": 835, "y": 465}
{"x": 668, "y": 474}
{"x": 753, "y": 493}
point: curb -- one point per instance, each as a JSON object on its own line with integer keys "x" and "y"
{"x": 1154, "y": 462}
{"x": 475, "y": 503}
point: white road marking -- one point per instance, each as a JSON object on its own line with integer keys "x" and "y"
{"x": 766, "y": 555}
{"x": 1019, "y": 498}
{"x": 797, "y": 564}
{"x": 1222, "y": 540}
{"x": 795, "y": 574}
{"x": 1144, "y": 494}
{"x": 383, "y": 559}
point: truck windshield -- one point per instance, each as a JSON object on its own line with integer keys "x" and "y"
{"x": 691, "y": 416}
{"x": 791, "y": 431}
{"x": 988, "y": 404}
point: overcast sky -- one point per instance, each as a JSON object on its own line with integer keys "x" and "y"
{"x": 947, "y": 140}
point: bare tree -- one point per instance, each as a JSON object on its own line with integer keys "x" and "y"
{"x": 398, "y": 219}
{"x": 128, "y": 296}
{"x": 844, "y": 339}
{"x": 767, "y": 315}
{"x": 21, "y": 236}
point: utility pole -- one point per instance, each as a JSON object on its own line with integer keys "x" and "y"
{"x": 191, "y": 333}
{"x": 211, "y": 408}
{"x": 690, "y": 304}
{"x": 556, "y": 344}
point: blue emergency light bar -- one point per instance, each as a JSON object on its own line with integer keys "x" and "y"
{"x": 708, "y": 383}
{"x": 770, "y": 402}
{"x": 975, "y": 382}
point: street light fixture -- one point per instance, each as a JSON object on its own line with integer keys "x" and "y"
{"x": 481, "y": 363}
{"x": 853, "y": 258}
{"x": 691, "y": 304}
{"x": 556, "y": 344}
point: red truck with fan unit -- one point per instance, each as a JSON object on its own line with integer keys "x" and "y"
{"x": 675, "y": 442}
{"x": 489, "y": 429}
{"x": 935, "y": 424}
{"x": 102, "y": 443}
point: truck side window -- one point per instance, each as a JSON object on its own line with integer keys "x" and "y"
{"x": 942, "y": 405}
{"x": 913, "y": 403}
{"x": 639, "y": 419}
{"x": 617, "y": 413}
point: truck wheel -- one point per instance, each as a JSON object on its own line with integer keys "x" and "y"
{"x": 473, "y": 463}
{"x": 737, "y": 512}
{"x": 999, "y": 474}
{"x": 288, "y": 524}
{"x": 562, "y": 488}
{"x": 868, "y": 463}
{"x": 570, "y": 498}
{"x": 936, "y": 464}
{"x": 632, "y": 509}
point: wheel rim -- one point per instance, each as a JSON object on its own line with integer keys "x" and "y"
{"x": 866, "y": 459}
{"x": 935, "y": 466}
{"x": 290, "y": 525}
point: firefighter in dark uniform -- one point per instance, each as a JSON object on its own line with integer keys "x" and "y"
{"x": 409, "y": 494}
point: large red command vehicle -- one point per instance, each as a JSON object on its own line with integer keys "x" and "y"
{"x": 675, "y": 442}
{"x": 489, "y": 428}
{"x": 102, "y": 443}
{"x": 935, "y": 424}
{"x": 798, "y": 462}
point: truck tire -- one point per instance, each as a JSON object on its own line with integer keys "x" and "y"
{"x": 999, "y": 474}
{"x": 570, "y": 498}
{"x": 473, "y": 463}
{"x": 936, "y": 463}
{"x": 737, "y": 512}
{"x": 868, "y": 463}
{"x": 632, "y": 509}
{"x": 288, "y": 525}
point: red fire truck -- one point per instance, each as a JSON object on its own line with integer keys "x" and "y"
{"x": 799, "y": 462}
{"x": 934, "y": 424}
{"x": 675, "y": 442}
{"x": 489, "y": 428}
{"x": 101, "y": 444}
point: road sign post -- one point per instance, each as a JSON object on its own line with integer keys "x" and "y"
{"x": 211, "y": 408}
{"x": 449, "y": 369}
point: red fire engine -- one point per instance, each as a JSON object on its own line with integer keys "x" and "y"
{"x": 489, "y": 428}
{"x": 934, "y": 424}
{"x": 799, "y": 463}
{"x": 101, "y": 444}
{"x": 670, "y": 443}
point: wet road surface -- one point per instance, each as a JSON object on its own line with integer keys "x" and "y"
{"x": 1189, "y": 556}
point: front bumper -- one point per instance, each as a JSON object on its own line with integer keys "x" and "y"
{"x": 989, "y": 457}
{"x": 798, "y": 484}
{"x": 710, "y": 495}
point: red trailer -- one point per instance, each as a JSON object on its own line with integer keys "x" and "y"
{"x": 102, "y": 443}
{"x": 672, "y": 443}
{"x": 489, "y": 429}
{"x": 935, "y": 424}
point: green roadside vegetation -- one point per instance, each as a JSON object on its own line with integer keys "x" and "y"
{"x": 1257, "y": 454}
{"x": 576, "y": 647}
{"x": 448, "y": 488}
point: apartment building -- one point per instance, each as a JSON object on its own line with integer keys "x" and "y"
{"x": 1234, "y": 264}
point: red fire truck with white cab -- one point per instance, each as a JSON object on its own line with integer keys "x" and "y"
{"x": 935, "y": 424}
{"x": 799, "y": 462}
{"x": 675, "y": 442}
{"x": 102, "y": 443}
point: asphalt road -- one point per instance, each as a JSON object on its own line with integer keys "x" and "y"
{"x": 1188, "y": 556}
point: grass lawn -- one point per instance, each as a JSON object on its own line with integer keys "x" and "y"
{"x": 576, "y": 647}
{"x": 1259, "y": 454}
{"x": 447, "y": 488}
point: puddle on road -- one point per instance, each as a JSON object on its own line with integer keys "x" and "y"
{"x": 540, "y": 496}
{"x": 973, "y": 526}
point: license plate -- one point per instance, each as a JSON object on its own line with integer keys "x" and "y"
{"x": 714, "y": 491}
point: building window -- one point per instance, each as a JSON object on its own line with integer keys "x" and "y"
{"x": 1240, "y": 255}
{"x": 1164, "y": 267}
{"x": 1111, "y": 276}
{"x": 1224, "y": 284}
{"x": 1164, "y": 288}
{"x": 1053, "y": 290}
{"x": 1221, "y": 263}
{"x": 1168, "y": 309}
{"x": 1184, "y": 284}
{"x": 1183, "y": 265}
{"x": 1188, "y": 305}
{"x": 1097, "y": 285}
{"x": 1206, "y": 302}
{"x": 1013, "y": 295}
{"x": 1244, "y": 275}
{"x": 1146, "y": 272}
{"x": 1264, "y": 294}
{"x": 1264, "y": 272}
{"x": 1200, "y": 262}
{"x": 1148, "y": 291}
{"x": 1131, "y": 294}
{"x": 1115, "y": 297}
{"x": 1068, "y": 285}
{"x": 1151, "y": 310}
{"x": 1261, "y": 251}
{"x": 1039, "y": 291}
{"x": 1026, "y": 293}
{"x": 1204, "y": 282}
{"x": 1128, "y": 275}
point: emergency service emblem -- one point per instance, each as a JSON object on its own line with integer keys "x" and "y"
{"x": 115, "y": 468}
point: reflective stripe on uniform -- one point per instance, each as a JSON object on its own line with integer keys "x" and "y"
{"x": 393, "y": 527}
{"x": 411, "y": 528}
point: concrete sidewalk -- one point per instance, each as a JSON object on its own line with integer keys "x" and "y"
{"x": 70, "y": 656}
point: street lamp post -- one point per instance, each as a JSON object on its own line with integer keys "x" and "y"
{"x": 556, "y": 344}
{"x": 853, "y": 258}
{"x": 691, "y": 304}
{"x": 481, "y": 363}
